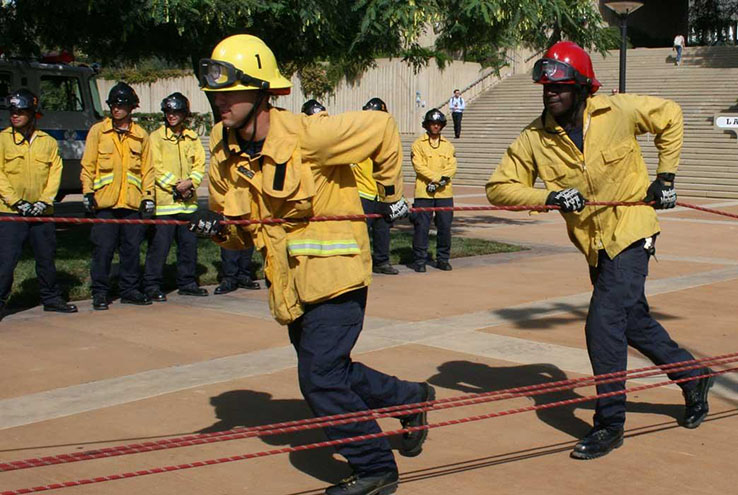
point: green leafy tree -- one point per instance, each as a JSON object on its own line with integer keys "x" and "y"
{"x": 710, "y": 20}
{"x": 321, "y": 40}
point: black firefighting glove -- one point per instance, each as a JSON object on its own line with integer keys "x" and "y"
{"x": 206, "y": 223}
{"x": 568, "y": 200}
{"x": 444, "y": 181}
{"x": 39, "y": 207}
{"x": 146, "y": 209}
{"x": 431, "y": 188}
{"x": 89, "y": 203}
{"x": 397, "y": 210}
{"x": 23, "y": 207}
{"x": 662, "y": 192}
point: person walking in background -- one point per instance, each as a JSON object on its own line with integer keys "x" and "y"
{"x": 178, "y": 160}
{"x": 30, "y": 174}
{"x": 457, "y": 106}
{"x": 434, "y": 161}
{"x": 117, "y": 182}
{"x": 678, "y": 46}
{"x": 236, "y": 271}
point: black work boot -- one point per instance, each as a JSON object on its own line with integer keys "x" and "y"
{"x": 100, "y": 302}
{"x": 60, "y": 306}
{"x": 598, "y": 442}
{"x": 385, "y": 268}
{"x": 695, "y": 400}
{"x": 384, "y": 483}
{"x": 226, "y": 286}
{"x": 412, "y": 443}
{"x": 156, "y": 295}
{"x": 443, "y": 265}
{"x": 135, "y": 297}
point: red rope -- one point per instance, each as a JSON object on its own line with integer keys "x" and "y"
{"x": 328, "y": 218}
{"x": 267, "y": 430}
{"x": 359, "y": 416}
{"x": 708, "y": 210}
{"x": 321, "y": 218}
{"x": 342, "y": 441}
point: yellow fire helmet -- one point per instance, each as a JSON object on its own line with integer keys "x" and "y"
{"x": 242, "y": 62}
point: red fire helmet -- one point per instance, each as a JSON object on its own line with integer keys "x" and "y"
{"x": 566, "y": 63}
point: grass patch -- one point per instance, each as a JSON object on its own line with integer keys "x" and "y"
{"x": 74, "y": 251}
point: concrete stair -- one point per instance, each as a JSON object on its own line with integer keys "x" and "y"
{"x": 704, "y": 85}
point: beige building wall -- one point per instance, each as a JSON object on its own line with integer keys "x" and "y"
{"x": 408, "y": 95}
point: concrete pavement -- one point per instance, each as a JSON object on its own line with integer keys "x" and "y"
{"x": 97, "y": 379}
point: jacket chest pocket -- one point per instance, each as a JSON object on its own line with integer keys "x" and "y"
{"x": 105, "y": 155}
{"x": 14, "y": 162}
{"x": 135, "y": 148}
{"x": 291, "y": 182}
{"x": 616, "y": 161}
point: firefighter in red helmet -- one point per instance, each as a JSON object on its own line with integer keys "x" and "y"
{"x": 584, "y": 146}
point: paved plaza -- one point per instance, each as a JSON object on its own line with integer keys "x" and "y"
{"x": 131, "y": 374}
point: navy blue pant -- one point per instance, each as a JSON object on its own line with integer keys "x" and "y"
{"x": 42, "y": 237}
{"x": 379, "y": 231}
{"x": 106, "y": 238}
{"x": 334, "y": 384}
{"x": 442, "y": 220}
{"x": 619, "y": 316}
{"x": 159, "y": 245}
{"x": 236, "y": 265}
{"x": 456, "y": 116}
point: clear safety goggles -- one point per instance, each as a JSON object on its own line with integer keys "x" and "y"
{"x": 554, "y": 71}
{"x": 216, "y": 74}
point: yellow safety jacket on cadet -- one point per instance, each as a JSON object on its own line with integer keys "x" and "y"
{"x": 610, "y": 169}
{"x": 303, "y": 171}
{"x": 28, "y": 171}
{"x": 116, "y": 166}
{"x": 176, "y": 157}
{"x": 365, "y": 183}
{"x": 431, "y": 162}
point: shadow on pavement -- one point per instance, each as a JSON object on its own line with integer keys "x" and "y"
{"x": 469, "y": 377}
{"x": 522, "y": 455}
{"x": 245, "y": 408}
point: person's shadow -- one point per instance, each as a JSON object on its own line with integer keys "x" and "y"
{"x": 248, "y": 408}
{"x": 469, "y": 377}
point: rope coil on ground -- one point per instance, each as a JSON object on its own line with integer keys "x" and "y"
{"x": 411, "y": 409}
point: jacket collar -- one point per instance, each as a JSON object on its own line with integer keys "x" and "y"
{"x": 135, "y": 131}
{"x": 281, "y": 140}
{"x": 426, "y": 137}
{"x": 186, "y": 134}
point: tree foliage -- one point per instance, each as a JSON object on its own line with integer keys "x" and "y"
{"x": 322, "y": 40}
{"x": 710, "y": 20}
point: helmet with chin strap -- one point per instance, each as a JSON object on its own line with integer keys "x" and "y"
{"x": 566, "y": 63}
{"x": 432, "y": 116}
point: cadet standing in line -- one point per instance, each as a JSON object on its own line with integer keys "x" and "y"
{"x": 434, "y": 161}
{"x": 117, "y": 182}
{"x": 585, "y": 146}
{"x": 270, "y": 163}
{"x": 30, "y": 173}
{"x": 178, "y": 160}
{"x": 379, "y": 228}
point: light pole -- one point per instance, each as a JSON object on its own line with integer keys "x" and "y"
{"x": 623, "y": 10}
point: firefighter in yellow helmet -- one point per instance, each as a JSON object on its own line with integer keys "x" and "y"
{"x": 270, "y": 163}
